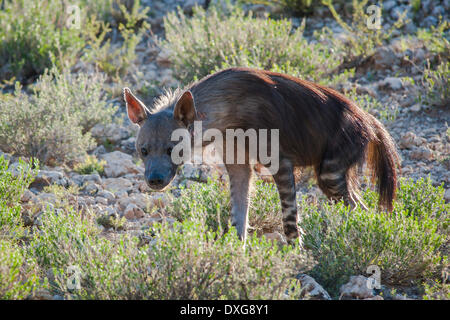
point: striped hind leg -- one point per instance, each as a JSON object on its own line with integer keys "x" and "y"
{"x": 339, "y": 182}
{"x": 285, "y": 181}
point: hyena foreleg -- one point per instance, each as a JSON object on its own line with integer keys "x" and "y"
{"x": 285, "y": 181}
{"x": 240, "y": 179}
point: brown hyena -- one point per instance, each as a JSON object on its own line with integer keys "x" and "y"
{"x": 317, "y": 126}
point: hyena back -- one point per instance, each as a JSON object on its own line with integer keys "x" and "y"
{"x": 317, "y": 126}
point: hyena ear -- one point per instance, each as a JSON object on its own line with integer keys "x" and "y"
{"x": 185, "y": 109}
{"x": 137, "y": 111}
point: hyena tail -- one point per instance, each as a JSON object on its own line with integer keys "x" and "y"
{"x": 384, "y": 161}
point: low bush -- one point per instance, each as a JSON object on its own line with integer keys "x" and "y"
{"x": 208, "y": 42}
{"x": 19, "y": 274}
{"x": 90, "y": 165}
{"x": 34, "y": 36}
{"x": 53, "y": 123}
{"x": 184, "y": 261}
{"x": 435, "y": 84}
{"x": 363, "y": 36}
{"x": 406, "y": 244}
{"x": 13, "y": 183}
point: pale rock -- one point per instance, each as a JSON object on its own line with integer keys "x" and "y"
{"x": 416, "y": 107}
{"x": 159, "y": 199}
{"x": 118, "y": 164}
{"x": 375, "y": 298}
{"x": 275, "y": 236}
{"x": 356, "y": 288}
{"x": 101, "y": 200}
{"x": 447, "y": 195}
{"x": 129, "y": 145}
{"x": 384, "y": 58}
{"x": 133, "y": 212}
{"x": 27, "y": 196}
{"x": 115, "y": 185}
{"x": 46, "y": 178}
{"x": 388, "y": 5}
{"x": 311, "y": 290}
{"x": 111, "y": 132}
{"x": 410, "y": 140}
{"x": 392, "y": 82}
{"x": 138, "y": 199}
{"x": 91, "y": 187}
{"x": 106, "y": 195}
{"x": 81, "y": 179}
{"x": 163, "y": 58}
{"x": 421, "y": 153}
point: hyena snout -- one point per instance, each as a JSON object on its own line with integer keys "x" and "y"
{"x": 158, "y": 177}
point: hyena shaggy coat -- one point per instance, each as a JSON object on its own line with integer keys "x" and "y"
{"x": 317, "y": 126}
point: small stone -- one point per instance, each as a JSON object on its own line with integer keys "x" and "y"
{"x": 109, "y": 196}
{"x": 447, "y": 195}
{"x": 27, "y": 196}
{"x": 384, "y": 58}
{"x": 393, "y": 83}
{"x": 311, "y": 289}
{"x": 46, "y": 178}
{"x": 118, "y": 164}
{"x": 356, "y": 288}
{"x": 421, "y": 153}
{"x": 416, "y": 108}
{"x": 115, "y": 185}
{"x": 275, "y": 236}
{"x": 159, "y": 200}
{"x": 163, "y": 58}
{"x": 410, "y": 140}
{"x": 133, "y": 212}
{"x": 101, "y": 200}
{"x": 91, "y": 188}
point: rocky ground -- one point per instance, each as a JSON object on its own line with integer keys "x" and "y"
{"x": 420, "y": 131}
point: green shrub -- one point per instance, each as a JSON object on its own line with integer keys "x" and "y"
{"x": 296, "y": 7}
{"x": 90, "y": 165}
{"x": 405, "y": 244}
{"x": 184, "y": 261}
{"x": 436, "y": 40}
{"x": 112, "y": 59}
{"x": 53, "y": 123}
{"x": 206, "y": 201}
{"x": 372, "y": 105}
{"x": 34, "y": 36}
{"x": 19, "y": 274}
{"x": 211, "y": 202}
{"x": 210, "y": 41}
{"x": 436, "y": 87}
{"x": 190, "y": 262}
{"x": 362, "y": 40}
{"x": 12, "y": 187}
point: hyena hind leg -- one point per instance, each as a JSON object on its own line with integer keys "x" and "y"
{"x": 240, "y": 179}
{"x": 339, "y": 183}
{"x": 285, "y": 182}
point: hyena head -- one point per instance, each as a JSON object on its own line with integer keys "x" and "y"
{"x": 153, "y": 142}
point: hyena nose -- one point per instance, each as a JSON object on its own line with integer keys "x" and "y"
{"x": 155, "y": 179}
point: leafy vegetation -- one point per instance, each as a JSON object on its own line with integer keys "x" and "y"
{"x": 205, "y": 43}
{"x": 37, "y": 125}
{"x": 35, "y": 36}
{"x": 90, "y": 165}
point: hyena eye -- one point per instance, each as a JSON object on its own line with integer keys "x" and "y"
{"x": 144, "y": 151}
{"x": 169, "y": 151}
